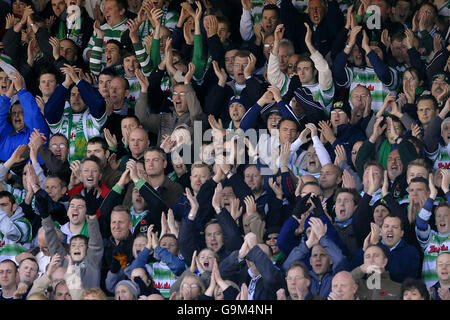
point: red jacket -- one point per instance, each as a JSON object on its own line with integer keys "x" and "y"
{"x": 77, "y": 190}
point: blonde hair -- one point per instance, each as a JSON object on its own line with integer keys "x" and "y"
{"x": 99, "y": 293}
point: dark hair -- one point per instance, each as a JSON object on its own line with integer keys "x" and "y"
{"x": 9, "y": 261}
{"x": 431, "y": 5}
{"x": 305, "y": 57}
{"x": 117, "y": 43}
{"x": 9, "y": 116}
{"x": 283, "y": 119}
{"x": 62, "y": 182}
{"x": 93, "y": 159}
{"x": 59, "y": 135}
{"x": 383, "y": 250}
{"x": 410, "y": 284}
{"x": 352, "y": 191}
{"x": 301, "y": 265}
{"x": 273, "y": 7}
{"x": 75, "y": 46}
{"x": 414, "y": 70}
{"x": 242, "y": 53}
{"x": 390, "y": 215}
{"x": 108, "y": 72}
{"x": 212, "y": 221}
{"x": 9, "y": 195}
{"x": 374, "y": 163}
{"x": 80, "y": 236}
{"x": 128, "y": 53}
{"x": 76, "y": 196}
{"x": 313, "y": 183}
{"x": 427, "y": 97}
{"x": 422, "y": 180}
{"x": 100, "y": 141}
{"x": 46, "y": 71}
{"x": 132, "y": 116}
{"x": 157, "y": 149}
{"x": 121, "y": 4}
{"x": 169, "y": 235}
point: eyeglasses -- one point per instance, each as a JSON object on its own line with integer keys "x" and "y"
{"x": 55, "y": 146}
{"x": 296, "y": 278}
{"x": 237, "y": 65}
{"x": 268, "y": 45}
{"x": 360, "y": 96}
{"x": 192, "y": 286}
{"x": 182, "y": 94}
{"x": 272, "y": 238}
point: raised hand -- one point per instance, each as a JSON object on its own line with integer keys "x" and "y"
{"x": 340, "y": 154}
{"x": 325, "y": 129}
{"x": 75, "y": 167}
{"x": 236, "y": 210}
{"x": 100, "y": 34}
{"x": 250, "y": 68}
{"x": 17, "y": 156}
{"x": 250, "y": 205}
{"x": 143, "y": 80}
{"x": 111, "y": 139}
{"x": 132, "y": 167}
{"x": 133, "y": 26}
{"x": 188, "y": 76}
{"x": 193, "y": 203}
{"x": 246, "y": 4}
{"x": 378, "y": 129}
{"x": 221, "y": 74}
{"x": 277, "y": 189}
{"x": 348, "y": 181}
{"x": 217, "y": 197}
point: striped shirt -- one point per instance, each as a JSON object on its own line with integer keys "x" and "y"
{"x": 97, "y": 60}
{"x": 368, "y": 78}
{"x": 324, "y": 97}
{"x": 440, "y": 158}
{"x": 12, "y": 246}
{"x": 169, "y": 20}
{"x": 78, "y": 128}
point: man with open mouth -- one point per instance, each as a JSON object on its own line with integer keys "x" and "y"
{"x": 19, "y": 122}
{"x": 84, "y": 239}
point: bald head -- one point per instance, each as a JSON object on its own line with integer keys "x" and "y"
{"x": 343, "y": 286}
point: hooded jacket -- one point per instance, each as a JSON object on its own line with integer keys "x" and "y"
{"x": 15, "y": 234}
{"x": 89, "y": 267}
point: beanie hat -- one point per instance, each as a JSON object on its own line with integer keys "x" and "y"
{"x": 444, "y": 76}
{"x": 381, "y": 202}
{"x": 268, "y": 110}
{"x": 241, "y": 100}
{"x": 134, "y": 288}
{"x": 342, "y": 106}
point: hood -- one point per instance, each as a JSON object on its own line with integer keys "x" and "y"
{"x": 17, "y": 214}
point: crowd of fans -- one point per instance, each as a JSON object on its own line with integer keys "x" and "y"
{"x": 224, "y": 150}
